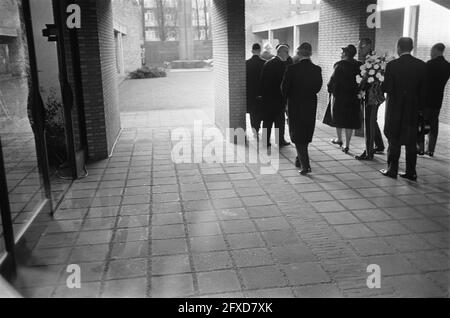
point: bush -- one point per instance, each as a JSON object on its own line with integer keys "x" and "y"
{"x": 147, "y": 72}
{"x": 54, "y": 125}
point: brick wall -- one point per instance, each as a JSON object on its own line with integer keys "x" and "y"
{"x": 158, "y": 52}
{"x": 97, "y": 55}
{"x": 341, "y": 23}
{"x": 229, "y": 62}
{"x": 431, "y": 29}
{"x": 109, "y": 71}
{"x": 129, "y": 14}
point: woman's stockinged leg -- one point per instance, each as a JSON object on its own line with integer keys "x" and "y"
{"x": 348, "y": 137}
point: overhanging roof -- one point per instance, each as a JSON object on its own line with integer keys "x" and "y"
{"x": 9, "y": 32}
{"x": 298, "y": 19}
{"x": 444, "y": 3}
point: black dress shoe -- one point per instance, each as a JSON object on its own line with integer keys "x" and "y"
{"x": 364, "y": 157}
{"x": 297, "y": 163}
{"x": 388, "y": 174}
{"x": 284, "y": 143}
{"x": 304, "y": 172}
{"x": 430, "y": 154}
{"x": 345, "y": 150}
{"x": 421, "y": 153}
{"x": 411, "y": 177}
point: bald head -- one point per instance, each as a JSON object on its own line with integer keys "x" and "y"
{"x": 437, "y": 50}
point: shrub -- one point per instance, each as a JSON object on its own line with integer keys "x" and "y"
{"x": 147, "y": 72}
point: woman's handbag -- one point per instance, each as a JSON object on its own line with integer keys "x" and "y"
{"x": 328, "y": 118}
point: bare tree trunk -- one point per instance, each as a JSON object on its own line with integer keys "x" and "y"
{"x": 205, "y": 12}
{"x": 160, "y": 4}
{"x": 197, "y": 11}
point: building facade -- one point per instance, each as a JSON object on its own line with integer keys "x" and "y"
{"x": 314, "y": 24}
{"x": 128, "y": 35}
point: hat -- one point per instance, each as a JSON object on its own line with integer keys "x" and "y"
{"x": 350, "y": 50}
{"x": 279, "y": 46}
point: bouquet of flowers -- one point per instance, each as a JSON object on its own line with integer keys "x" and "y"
{"x": 372, "y": 77}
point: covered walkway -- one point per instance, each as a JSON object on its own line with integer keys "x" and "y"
{"x": 142, "y": 226}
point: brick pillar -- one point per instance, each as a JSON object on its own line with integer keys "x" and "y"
{"x": 99, "y": 77}
{"x": 341, "y": 23}
{"x": 229, "y": 62}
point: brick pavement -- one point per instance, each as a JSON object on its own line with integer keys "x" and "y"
{"x": 142, "y": 226}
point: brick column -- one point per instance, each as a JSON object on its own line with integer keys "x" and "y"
{"x": 229, "y": 62}
{"x": 341, "y": 23}
{"x": 99, "y": 77}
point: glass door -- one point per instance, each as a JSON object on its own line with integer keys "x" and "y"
{"x": 21, "y": 121}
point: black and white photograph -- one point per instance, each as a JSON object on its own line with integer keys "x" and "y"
{"x": 240, "y": 152}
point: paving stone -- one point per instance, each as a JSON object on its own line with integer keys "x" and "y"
{"x": 204, "y": 229}
{"x": 263, "y": 277}
{"x": 297, "y": 253}
{"x": 172, "y": 286}
{"x": 127, "y": 268}
{"x": 212, "y": 261}
{"x": 372, "y": 246}
{"x": 351, "y": 231}
{"x": 340, "y": 218}
{"x": 280, "y": 238}
{"x": 264, "y": 211}
{"x": 392, "y": 264}
{"x": 271, "y": 224}
{"x": 168, "y": 231}
{"x": 207, "y": 243}
{"x": 245, "y": 240}
{"x": 318, "y": 291}
{"x": 86, "y": 290}
{"x": 89, "y": 253}
{"x": 165, "y": 265}
{"x": 305, "y": 274}
{"x": 238, "y": 226}
{"x": 271, "y": 293}
{"x": 128, "y": 250}
{"x": 94, "y": 237}
{"x": 415, "y": 286}
{"x": 388, "y": 228}
{"x": 218, "y": 282}
{"x": 252, "y": 257}
{"x": 125, "y": 288}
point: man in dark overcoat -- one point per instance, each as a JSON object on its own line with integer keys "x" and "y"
{"x": 438, "y": 74}
{"x": 405, "y": 85}
{"x": 301, "y": 84}
{"x": 274, "y": 105}
{"x": 254, "y": 68}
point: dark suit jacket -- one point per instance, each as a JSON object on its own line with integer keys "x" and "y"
{"x": 254, "y": 68}
{"x": 405, "y": 85}
{"x": 438, "y": 73}
{"x": 300, "y": 86}
{"x": 271, "y": 78}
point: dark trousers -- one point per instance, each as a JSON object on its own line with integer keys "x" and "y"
{"x": 431, "y": 115}
{"x": 303, "y": 155}
{"x": 279, "y": 120}
{"x": 372, "y": 132}
{"x": 394, "y": 152}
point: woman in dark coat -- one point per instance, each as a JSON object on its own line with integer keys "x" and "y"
{"x": 345, "y": 105}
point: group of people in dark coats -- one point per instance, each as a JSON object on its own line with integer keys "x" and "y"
{"x": 412, "y": 87}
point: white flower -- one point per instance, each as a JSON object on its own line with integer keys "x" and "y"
{"x": 378, "y": 75}
{"x": 370, "y": 80}
{"x": 358, "y": 79}
{"x": 368, "y": 65}
{"x": 363, "y": 67}
{"x": 376, "y": 66}
{"x": 372, "y": 72}
{"x": 363, "y": 73}
{"x": 381, "y": 78}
